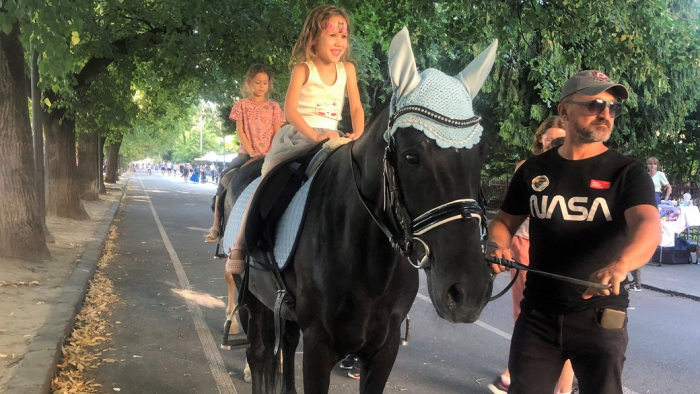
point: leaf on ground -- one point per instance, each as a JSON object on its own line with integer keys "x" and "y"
{"x": 90, "y": 330}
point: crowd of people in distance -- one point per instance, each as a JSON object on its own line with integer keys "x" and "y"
{"x": 197, "y": 173}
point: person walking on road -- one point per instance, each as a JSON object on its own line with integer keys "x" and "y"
{"x": 593, "y": 217}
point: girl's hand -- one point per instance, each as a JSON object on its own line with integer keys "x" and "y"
{"x": 353, "y": 136}
{"x": 330, "y": 135}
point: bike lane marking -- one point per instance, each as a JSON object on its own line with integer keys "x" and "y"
{"x": 211, "y": 350}
{"x": 507, "y": 336}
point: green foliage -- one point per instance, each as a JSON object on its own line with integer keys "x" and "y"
{"x": 143, "y": 68}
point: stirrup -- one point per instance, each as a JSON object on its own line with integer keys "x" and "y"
{"x": 242, "y": 339}
{"x": 219, "y": 254}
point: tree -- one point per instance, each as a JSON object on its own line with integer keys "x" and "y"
{"x": 21, "y": 231}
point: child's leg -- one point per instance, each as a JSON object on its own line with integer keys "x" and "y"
{"x": 214, "y": 231}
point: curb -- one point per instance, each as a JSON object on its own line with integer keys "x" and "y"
{"x": 671, "y": 292}
{"x": 38, "y": 367}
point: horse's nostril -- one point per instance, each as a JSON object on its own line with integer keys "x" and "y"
{"x": 455, "y": 296}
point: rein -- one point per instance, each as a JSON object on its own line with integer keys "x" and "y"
{"x": 520, "y": 267}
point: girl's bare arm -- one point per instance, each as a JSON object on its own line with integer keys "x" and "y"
{"x": 244, "y": 139}
{"x": 357, "y": 113}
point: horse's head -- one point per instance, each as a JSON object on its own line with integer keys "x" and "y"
{"x": 434, "y": 159}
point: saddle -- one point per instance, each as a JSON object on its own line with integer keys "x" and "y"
{"x": 272, "y": 197}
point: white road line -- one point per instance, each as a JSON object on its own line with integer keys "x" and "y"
{"x": 211, "y": 351}
{"x": 507, "y": 336}
{"x": 202, "y": 229}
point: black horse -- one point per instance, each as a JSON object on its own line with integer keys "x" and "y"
{"x": 377, "y": 211}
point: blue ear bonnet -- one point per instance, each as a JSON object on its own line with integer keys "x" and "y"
{"x": 443, "y": 95}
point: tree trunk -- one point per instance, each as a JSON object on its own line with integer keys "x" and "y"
{"x": 100, "y": 162}
{"x": 88, "y": 167}
{"x": 111, "y": 175}
{"x": 63, "y": 200}
{"x": 21, "y": 231}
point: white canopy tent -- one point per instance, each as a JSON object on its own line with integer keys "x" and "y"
{"x": 217, "y": 158}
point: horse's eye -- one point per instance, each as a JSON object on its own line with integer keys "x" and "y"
{"x": 412, "y": 159}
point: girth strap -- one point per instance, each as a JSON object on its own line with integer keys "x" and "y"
{"x": 281, "y": 294}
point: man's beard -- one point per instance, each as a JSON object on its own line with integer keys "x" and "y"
{"x": 597, "y": 132}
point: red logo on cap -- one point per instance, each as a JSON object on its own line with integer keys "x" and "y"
{"x": 601, "y": 185}
{"x": 600, "y": 76}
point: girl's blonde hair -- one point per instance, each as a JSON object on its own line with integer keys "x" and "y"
{"x": 551, "y": 122}
{"x": 254, "y": 70}
{"x": 313, "y": 27}
{"x": 653, "y": 160}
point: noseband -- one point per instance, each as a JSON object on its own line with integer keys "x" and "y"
{"x": 402, "y": 230}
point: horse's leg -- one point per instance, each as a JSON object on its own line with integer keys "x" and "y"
{"x": 290, "y": 341}
{"x": 374, "y": 372}
{"x": 264, "y": 366}
{"x": 235, "y": 328}
{"x": 318, "y": 360}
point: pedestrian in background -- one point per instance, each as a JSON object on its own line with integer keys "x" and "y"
{"x": 661, "y": 184}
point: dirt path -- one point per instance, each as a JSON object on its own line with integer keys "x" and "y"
{"x": 29, "y": 290}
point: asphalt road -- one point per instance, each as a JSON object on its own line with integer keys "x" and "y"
{"x": 167, "y": 327}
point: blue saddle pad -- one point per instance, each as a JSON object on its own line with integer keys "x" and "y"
{"x": 287, "y": 227}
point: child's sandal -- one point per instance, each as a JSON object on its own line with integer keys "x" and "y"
{"x": 213, "y": 235}
{"x": 235, "y": 263}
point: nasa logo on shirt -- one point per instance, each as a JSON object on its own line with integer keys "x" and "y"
{"x": 540, "y": 183}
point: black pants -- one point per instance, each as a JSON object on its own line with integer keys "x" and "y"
{"x": 542, "y": 342}
{"x": 237, "y": 162}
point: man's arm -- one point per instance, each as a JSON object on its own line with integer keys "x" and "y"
{"x": 501, "y": 230}
{"x": 644, "y": 226}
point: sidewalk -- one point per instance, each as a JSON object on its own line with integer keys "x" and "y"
{"x": 41, "y": 299}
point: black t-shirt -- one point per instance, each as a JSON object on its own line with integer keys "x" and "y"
{"x": 577, "y": 222}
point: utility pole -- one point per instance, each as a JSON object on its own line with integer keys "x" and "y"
{"x": 223, "y": 140}
{"x": 201, "y": 127}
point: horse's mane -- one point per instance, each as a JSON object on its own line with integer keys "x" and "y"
{"x": 380, "y": 119}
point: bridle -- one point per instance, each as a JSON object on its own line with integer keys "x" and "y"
{"x": 403, "y": 231}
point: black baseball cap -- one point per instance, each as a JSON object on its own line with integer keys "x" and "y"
{"x": 592, "y": 82}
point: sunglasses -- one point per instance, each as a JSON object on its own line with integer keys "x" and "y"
{"x": 596, "y": 107}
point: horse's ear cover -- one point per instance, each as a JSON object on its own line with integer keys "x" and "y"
{"x": 474, "y": 75}
{"x": 402, "y": 64}
{"x": 434, "y": 92}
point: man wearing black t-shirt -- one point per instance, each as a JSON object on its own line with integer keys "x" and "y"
{"x": 593, "y": 216}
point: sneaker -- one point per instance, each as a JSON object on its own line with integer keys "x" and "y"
{"x": 354, "y": 372}
{"x": 635, "y": 287}
{"x": 348, "y": 362}
{"x": 498, "y": 386}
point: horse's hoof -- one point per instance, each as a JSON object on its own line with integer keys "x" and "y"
{"x": 225, "y": 347}
{"x": 246, "y": 373}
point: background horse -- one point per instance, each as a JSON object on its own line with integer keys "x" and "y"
{"x": 352, "y": 286}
